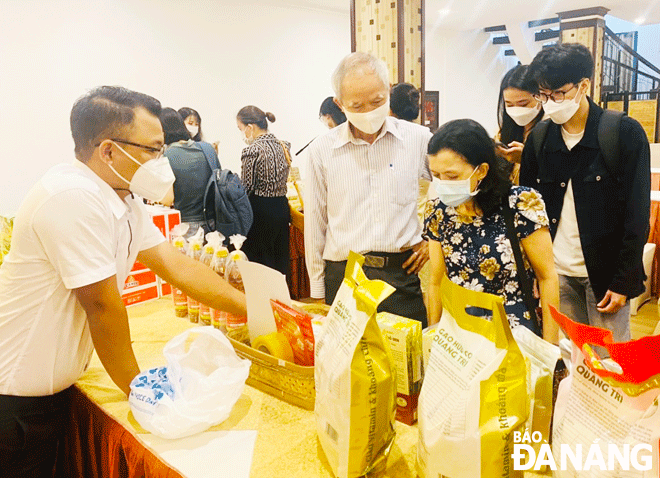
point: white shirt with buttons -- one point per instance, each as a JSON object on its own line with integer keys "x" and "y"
{"x": 72, "y": 230}
{"x": 567, "y": 248}
{"x": 362, "y": 197}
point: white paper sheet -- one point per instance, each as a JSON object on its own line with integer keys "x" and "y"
{"x": 208, "y": 454}
{"x": 262, "y": 284}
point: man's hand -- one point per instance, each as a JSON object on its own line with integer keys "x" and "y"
{"x": 611, "y": 303}
{"x": 419, "y": 257}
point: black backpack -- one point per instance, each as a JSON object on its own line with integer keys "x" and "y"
{"x": 608, "y": 139}
{"x": 227, "y": 207}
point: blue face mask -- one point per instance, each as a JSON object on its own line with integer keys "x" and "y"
{"x": 454, "y": 192}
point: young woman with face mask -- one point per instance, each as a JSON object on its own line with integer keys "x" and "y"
{"x": 193, "y": 122}
{"x": 517, "y": 114}
{"x": 466, "y": 230}
{"x": 265, "y": 163}
{"x": 191, "y": 167}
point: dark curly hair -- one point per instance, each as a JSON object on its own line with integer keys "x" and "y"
{"x": 404, "y": 101}
{"x": 469, "y": 139}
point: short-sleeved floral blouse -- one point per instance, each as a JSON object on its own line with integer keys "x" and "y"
{"x": 478, "y": 254}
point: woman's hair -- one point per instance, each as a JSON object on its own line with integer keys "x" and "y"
{"x": 173, "y": 126}
{"x": 185, "y": 112}
{"x": 469, "y": 139}
{"x": 517, "y": 77}
{"x": 404, "y": 101}
{"x": 253, "y": 115}
{"x": 329, "y": 107}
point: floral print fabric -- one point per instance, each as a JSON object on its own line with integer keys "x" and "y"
{"x": 478, "y": 254}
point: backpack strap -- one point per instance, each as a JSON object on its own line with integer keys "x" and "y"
{"x": 538, "y": 136}
{"x": 608, "y": 140}
{"x": 207, "y": 151}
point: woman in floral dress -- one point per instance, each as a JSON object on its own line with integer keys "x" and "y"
{"x": 466, "y": 229}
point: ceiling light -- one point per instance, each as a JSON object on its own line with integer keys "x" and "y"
{"x": 444, "y": 12}
{"x": 640, "y": 20}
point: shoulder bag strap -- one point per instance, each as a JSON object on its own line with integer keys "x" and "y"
{"x": 287, "y": 155}
{"x": 523, "y": 277}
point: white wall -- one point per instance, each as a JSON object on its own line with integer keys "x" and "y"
{"x": 466, "y": 68}
{"x": 213, "y": 55}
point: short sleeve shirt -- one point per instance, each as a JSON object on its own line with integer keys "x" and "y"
{"x": 478, "y": 254}
{"x": 72, "y": 230}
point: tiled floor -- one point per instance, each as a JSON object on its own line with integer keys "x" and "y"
{"x": 645, "y": 321}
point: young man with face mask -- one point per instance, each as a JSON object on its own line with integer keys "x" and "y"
{"x": 361, "y": 192}
{"x": 76, "y": 237}
{"x": 599, "y": 217}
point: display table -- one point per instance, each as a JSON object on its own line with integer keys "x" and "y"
{"x": 105, "y": 440}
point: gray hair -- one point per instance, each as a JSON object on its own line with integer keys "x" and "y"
{"x": 359, "y": 61}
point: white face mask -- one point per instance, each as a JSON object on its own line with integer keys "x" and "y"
{"x": 371, "y": 121}
{"x": 192, "y": 129}
{"x": 523, "y": 115}
{"x": 152, "y": 180}
{"x": 560, "y": 113}
{"x": 454, "y": 192}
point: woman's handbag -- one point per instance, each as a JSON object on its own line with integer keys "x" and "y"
{"x": 297, "y": 218}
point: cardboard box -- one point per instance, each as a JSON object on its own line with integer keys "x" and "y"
{"x": 164, "y": 288}
{"x": 139, "y": 287}
{"x": 405, "y": 340}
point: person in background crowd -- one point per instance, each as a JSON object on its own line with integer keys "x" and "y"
{"x": 517, "y": 113}
{"x": 193, "y": 122}
{"x": 404, "y": 102}
{"x": 361, "y": 191}
{"x": 76, "y": 237}
{"x": 467, "y": 233}
{"x": 330, "y": 114}
{"x": 265, "y": 163}
{"x": 599, "y": 213}
{"x": 191, "y": 167}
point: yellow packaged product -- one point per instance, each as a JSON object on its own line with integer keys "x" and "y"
{"x": 405, "y": 340}
{"x": 195, "y": 251}
{"x": 474, "y": 396}
{"x": 233, "y": 276}
{"x": 355, "y": 378}
{"x": 218, "y": 263}
{"x": 213, "y": 241}
{"x": 178, "y": 297}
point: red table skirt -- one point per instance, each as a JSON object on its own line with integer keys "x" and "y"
{"x": 97, "y": 446}
{"x": 297, "y": 279}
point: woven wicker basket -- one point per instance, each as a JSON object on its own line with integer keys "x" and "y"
{"x": 285, "y": 380}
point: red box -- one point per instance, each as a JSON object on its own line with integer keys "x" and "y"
{"x": 138, "y": 266}
{"x": 164, "y": 287}
{"x": 140, "y": 279}
{"x": 140, "y": 295}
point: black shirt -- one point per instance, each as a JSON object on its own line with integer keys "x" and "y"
{"x": 612, "y": 209}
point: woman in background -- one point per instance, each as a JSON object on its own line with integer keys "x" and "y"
{"x": 193, "y": 122}
{"x": 191, "y": 167}
{"x": 404, "y": 102}
{"x": 265, "y": 166}
{"x": 330, "y": 114}
{"x": 517, "y": 114}
{"x": 467, "y": 233}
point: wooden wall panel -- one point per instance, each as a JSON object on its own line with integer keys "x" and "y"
{"x": 644, "y": 111}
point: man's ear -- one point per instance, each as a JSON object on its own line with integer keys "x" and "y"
{"x": 105, "y": 151}
{"x": 336, "y": 101}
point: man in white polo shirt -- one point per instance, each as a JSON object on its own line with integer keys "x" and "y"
{"x": 76, "y": 237}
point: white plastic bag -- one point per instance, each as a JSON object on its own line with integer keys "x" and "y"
{"x": 197, "y": 388}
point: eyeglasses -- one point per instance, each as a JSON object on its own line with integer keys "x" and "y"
{"x": 159, "y": 151}
{"x": 557, "y": 96}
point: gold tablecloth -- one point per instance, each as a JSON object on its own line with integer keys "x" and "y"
{"x": 286, "y": 444}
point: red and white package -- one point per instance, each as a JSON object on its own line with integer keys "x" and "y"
{"x": 296, "y": 326}
{"x": 606, "y": 416}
